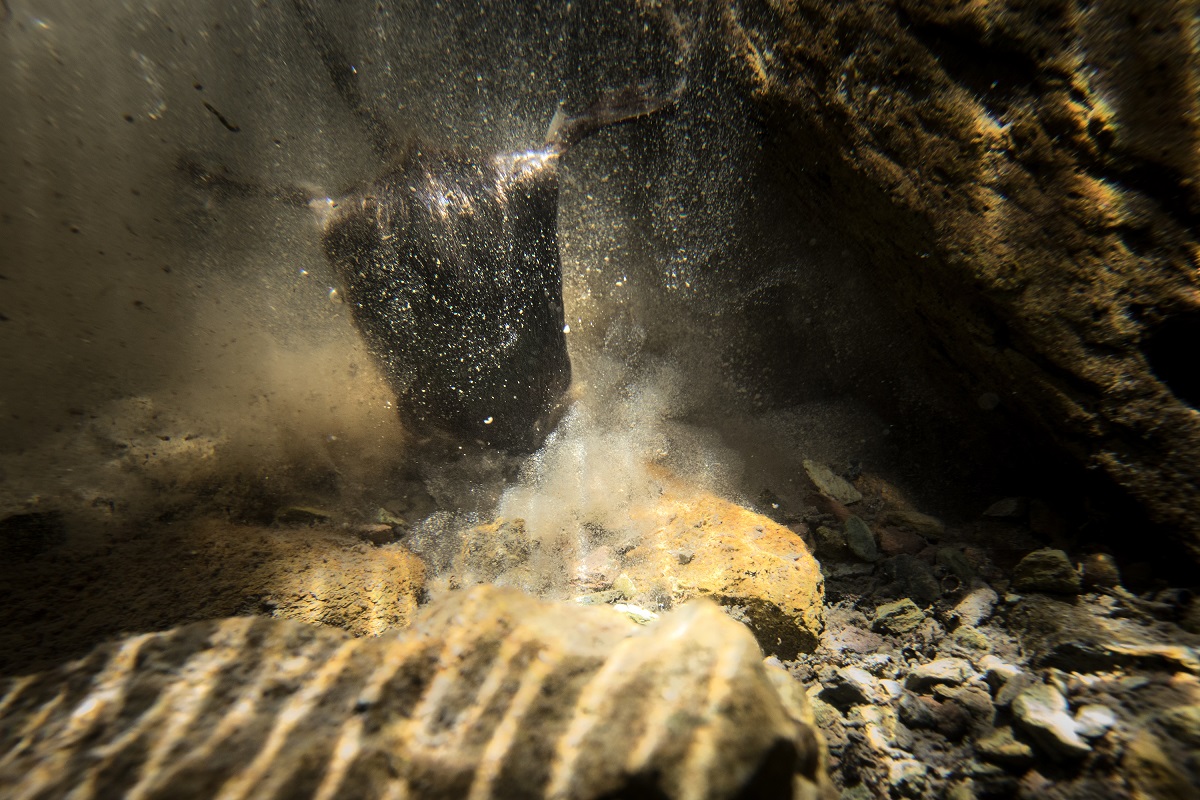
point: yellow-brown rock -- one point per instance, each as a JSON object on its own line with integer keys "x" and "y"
{"x": 702, "y": 546}
{"x": 67, "y": 600}
{"x": 491, "y": 694}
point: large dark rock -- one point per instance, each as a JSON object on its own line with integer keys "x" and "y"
{"x": 452, "y": 271}
{"x": 1023, "y": 175}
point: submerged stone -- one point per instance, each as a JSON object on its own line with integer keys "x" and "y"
{"x": 1047, "y": 570}
{"x": 491, "y": 694}
{"x": 830, "y": 484}
{"x": 1041, "y": 711}
{"x": 900, "y": 617}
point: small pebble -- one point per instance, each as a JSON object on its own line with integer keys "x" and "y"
{"x": 950, "y": 671}
{"x": 1093, "y": 721}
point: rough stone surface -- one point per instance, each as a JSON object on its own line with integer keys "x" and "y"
{"x": 1046, "y": 570}
{"x": 1100, "y": 571}
{"x": 1024, "y": 175}
{"x": 75, "y": 598}
{"x": 740, "y": 559}
{"x": 899, "y": 617}
{"x": 1183, "y": 723}
{"x": 1093, "y": 721}
{"x": 1001, "y": 747}
{"x": 1041, "y": 711}
{"x": 976, "y": 607}
{"x": 490, "y": 694}
{"x": 852, "y": 686}
{"x": 830, "y": 484}
{"x": 950, "y": 671}
{"x": 861, "y": 540}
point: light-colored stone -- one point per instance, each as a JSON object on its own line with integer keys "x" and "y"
{"x": 976, "y": 607}
{"x": 852, "y": 686}
{"x": 907, "y": 777}
{"x": 1093, "y": 721}
{"x": 1041, "y": 711}
{"x": 490, "y": 694}
{"x": 947, "y": 671}
{"x": 878, "y": 726}
{"x": 830, "y": 484}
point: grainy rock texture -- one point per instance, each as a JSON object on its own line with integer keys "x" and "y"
{"x": 1024, "y": 177}
{"x": 688, "y": 544}
{"x": 491, "y": 694}
{"x": 61, "y": 603}
{"x": 738, "y": 558}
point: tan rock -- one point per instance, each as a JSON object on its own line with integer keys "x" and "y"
{"x": 490, "y": 694}
{"x": 738, "y": 558}
{"x": 830, "y": 484}
{"x": 75, "y": 597}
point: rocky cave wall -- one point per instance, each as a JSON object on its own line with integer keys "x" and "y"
{"x": 1023, "y": 174}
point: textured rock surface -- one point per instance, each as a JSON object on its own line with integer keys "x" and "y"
{"x": 1024, "y": 176}
{"x": 1046, "y": 570}
{"x": 491, "y": 694}
{"x": 62, "y": 603}
{"x": 738, "y": 558}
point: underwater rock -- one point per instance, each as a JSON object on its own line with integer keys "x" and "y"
{"x": 491, "y": 694}
{"x": 1024, "y": 177}
{"x": 1041, "y": 711}
{"x": 1100, "y": 571}
{"x": 948, "y": 671}
{"x": 900, "y": 617}
{"x": 740, "y": 559}
{"x": 830, "y": 484}
{"x": 912, "y": 577}
{"x": 70, "y": 599}
{"x": 1001, "y": 747}
{"x": 861, "y": 539}
{"x": 1046, "y": 570}
{"x": 451, "y": 268}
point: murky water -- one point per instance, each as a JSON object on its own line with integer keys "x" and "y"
{"x": 174, "y": 348}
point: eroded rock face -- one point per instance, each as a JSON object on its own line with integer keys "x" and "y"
{"x": 1024, "y": 175}
{"x": 66, "y": 601}
{"x": 491, "y": 694}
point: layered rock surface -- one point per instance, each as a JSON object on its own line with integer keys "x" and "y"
{"x": 491, "y": 694}
{"x": 1023, "y": 176}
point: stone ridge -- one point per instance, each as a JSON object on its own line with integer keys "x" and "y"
{"x": 491, "y": 694}
{"x": 1024, "y": 178}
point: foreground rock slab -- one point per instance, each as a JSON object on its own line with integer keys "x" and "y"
{"x": 490, "y": 694}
